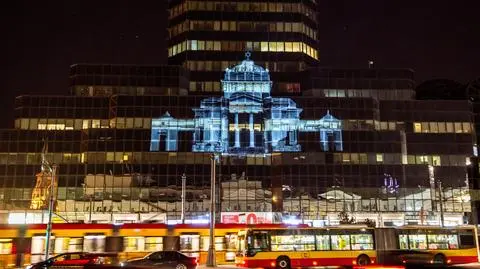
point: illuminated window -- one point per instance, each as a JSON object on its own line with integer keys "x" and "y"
{"x": 417, "y": 127}
{"x": 467, "y": 128}
{"x": 379, "y": 157}
{"x": 264, "y": 46}
{"x": 449, "y": 127}
{"x": 442, "y": 127}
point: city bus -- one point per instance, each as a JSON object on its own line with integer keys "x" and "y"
{"x": 306, "y": 247}
{"x": 450, "y": 245}
{"x": 352, "y": 245}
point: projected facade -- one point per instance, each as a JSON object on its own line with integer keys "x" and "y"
{"x": 246, "y": 120}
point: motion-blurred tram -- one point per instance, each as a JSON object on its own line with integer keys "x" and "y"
{"x": 25, "y": 244}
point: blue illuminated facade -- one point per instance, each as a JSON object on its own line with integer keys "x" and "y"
{"x": 246, "y": 120}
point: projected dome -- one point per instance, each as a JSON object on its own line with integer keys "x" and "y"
{"x": 246, "y": 71}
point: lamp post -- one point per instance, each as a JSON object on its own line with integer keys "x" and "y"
{"x": 211, "y": 258}
{"x": 184, "y": 183}
{"x": 90, "y": 198}
{"x": 53, "y": 171}
{"x": 440, "y": 197}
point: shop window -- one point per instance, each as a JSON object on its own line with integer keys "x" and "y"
{"x": 153, "y": 243}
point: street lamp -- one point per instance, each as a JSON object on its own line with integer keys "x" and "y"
{"x": 53, "y": 171}
{"x": 211, "y": 258}
{"x": 90, "y": 198}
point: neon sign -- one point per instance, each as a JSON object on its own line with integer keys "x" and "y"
{"x": 245, "y": 120}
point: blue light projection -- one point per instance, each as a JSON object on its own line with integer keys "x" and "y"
{"x": 246, "y": 120}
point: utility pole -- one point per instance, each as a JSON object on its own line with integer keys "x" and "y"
{"x": 53, "y": 171}
{"x": 184, "y": 179}
{"x": 211, "y": 258}
{"x": 440, "y": 197}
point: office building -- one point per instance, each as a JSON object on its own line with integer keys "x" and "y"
{"x": 206, "y": 37}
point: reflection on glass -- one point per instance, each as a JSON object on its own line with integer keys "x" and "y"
{"x": 340, "y": 242}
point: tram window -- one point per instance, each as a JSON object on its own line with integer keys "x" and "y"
{"x": 417, "y": 241}
{"x": 5, "y": 246}
{"x": 231, "y": 241}
{"x": 442, "y": 241}
{"x": 340, "y": 242}
{"x": 189, "y": 243}
{"x": 153, "y": 243}
{"x": 219, "y": 243}
{"x": 323, "y": 242}
{"x": 361, "y": 241}
{"x": 75, "y": 244}
{"x": 134, "y": 244}
{"x": 94, "y": 243}
{"x": 61, "y": 245}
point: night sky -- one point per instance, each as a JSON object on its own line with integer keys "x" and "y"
{"x": 41, "y": 39}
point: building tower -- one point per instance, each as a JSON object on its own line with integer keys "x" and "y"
{"x": 206, "y": 37}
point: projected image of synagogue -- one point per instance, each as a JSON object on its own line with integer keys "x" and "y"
{"x": 353, "y": 140}
{"x": 246, "y": 120}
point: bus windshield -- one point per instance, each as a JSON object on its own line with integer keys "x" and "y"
{"x": 258, "y": 240}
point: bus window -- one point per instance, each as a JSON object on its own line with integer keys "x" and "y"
{"x": 467, "y": 241}
{"x": 417, "y": 241}
{"x": 293, "y": 242}
{"x": 323, "y": 242}
{"x": 442, "y": 241}
{"x": 340, "y": 242}
{"x": 403, "y": 241}
{"x": 361, "y": 241}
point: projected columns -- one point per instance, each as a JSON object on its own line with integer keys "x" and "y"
{"x": 237, "y": 132}
{"x": 252, "y": 134}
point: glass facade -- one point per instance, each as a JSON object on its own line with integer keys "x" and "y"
{"x": 207, "y": 36}
{"x": 122, "y": 157}
{"x": 295, "y": 142}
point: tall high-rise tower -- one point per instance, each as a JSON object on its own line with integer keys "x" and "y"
{"x": 208, "y": 36}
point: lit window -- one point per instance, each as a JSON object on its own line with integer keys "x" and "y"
{"x": 194, "y": 44}
{"x": 417, "y": 127}
{"x": 264, "y": 46}
{"x": 379, "y": 157}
